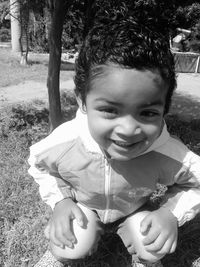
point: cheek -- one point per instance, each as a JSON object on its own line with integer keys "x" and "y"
{"x": 154, "y": 131}
{"x": 99, "y": 128}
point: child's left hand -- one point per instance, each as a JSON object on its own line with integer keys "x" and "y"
{"x": 161, "y": 231}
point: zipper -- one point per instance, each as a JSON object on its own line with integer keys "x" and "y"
{"x": 107, "y": 189}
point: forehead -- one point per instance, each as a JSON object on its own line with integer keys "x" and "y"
{"x": 128, "y": 85}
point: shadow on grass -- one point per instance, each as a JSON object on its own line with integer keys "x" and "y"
{"x": 183, "y": 121}
{"x": 187, "y": 253}
{"x": 186, "y": 107}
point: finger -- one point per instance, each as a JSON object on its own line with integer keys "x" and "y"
{"x": 158, "y": 244}
{"x": 151, "y": 236}
{"x": 145, "y": 224}
{"x": 64, "y": 233}
{"x": 169, "y": 245}
{"x": 173, "y": 247}
{"x": 53, "y": 238}
{"x": 165, "y": 248}
{"x": 79, "y": 216}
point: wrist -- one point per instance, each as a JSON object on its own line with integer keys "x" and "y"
{"x": 63, "y": 201}
{"x": 171, "y": 214}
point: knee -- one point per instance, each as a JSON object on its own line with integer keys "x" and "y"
{"x": 86, "y": 239}
{"x": 134, "y": 239}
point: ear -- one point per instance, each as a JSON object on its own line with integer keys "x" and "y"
{"x": 82, "y": 106}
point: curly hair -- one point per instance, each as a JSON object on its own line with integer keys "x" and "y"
{"x": 127, "y": 44}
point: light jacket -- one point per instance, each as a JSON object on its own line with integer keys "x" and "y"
{"x": 69, "y": 163}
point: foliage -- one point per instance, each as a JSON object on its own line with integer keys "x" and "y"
{"x": 167, "y": 16}
{"x": 4, "y": 9}
{"x": 38, "y": 34}
{"x": 69, "y": 105}
{"x": 35, "y": 5}
{"x": 194, "y": 41}
{"x": 162, "y": 15}
{"x": 73, "y": 25}
{"x": 187, "y": 16}
{"x": 25, "y": 121}
{"x": 4, "y": 35}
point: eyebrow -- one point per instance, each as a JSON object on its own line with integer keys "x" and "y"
{"x": 154, "y": 103}
{"x": 108, "y": 101}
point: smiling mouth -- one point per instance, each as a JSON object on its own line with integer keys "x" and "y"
{"x": 124, "y": 144}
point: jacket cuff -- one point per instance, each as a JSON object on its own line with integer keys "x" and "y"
{"x": 183, "y": 218}
{"x": 57, "y": 198}
{"x": 187, "y": 207}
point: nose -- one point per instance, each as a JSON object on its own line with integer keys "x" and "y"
{"x": 128, "y": 126}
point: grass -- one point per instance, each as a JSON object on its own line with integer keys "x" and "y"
{"x": 23, "y": 215}
{"x": 11, "y": 72}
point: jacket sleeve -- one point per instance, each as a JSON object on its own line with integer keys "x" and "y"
{"x": 183, "y": 194}
{"x": 43, "y": 169}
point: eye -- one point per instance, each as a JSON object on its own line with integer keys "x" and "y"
{"x": 150, "y": 114}
{"x": 108, "y": 112}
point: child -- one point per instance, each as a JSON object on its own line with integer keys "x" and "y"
{"x": 98, "y": 170}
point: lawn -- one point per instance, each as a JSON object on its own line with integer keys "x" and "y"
{"x": 23, "y": 215}
{"x": 11, "y": 72}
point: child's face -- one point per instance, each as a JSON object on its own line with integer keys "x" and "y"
{"x": 125, "y": 110}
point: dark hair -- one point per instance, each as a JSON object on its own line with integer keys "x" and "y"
{"x": 126, "y": 43}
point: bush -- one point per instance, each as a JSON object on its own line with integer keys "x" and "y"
{"x": 194, "y": 42}
{"x": 38, "y": 35}
{"x": 25, "y": 121}
{"x": 69, "y": 105}
{"x": 5, "y": 35}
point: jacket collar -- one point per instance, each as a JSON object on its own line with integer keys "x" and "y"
{"x": 91, "y": 145}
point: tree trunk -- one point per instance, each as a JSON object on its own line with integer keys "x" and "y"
{"x": 15, "y": 25}
{"x": 24, "y": 37}
{"x": 53, "y": 81}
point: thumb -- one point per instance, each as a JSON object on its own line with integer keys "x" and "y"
{"x": 79, "y": 216}
{"x": 145, "y": 224}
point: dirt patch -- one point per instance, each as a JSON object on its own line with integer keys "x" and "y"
{"x": 28, "y": 91}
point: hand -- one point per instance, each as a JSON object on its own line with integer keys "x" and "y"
{"x": 161, "y": 231}
{"x": 59, "y": 229}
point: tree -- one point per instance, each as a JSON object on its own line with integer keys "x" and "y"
{"x": 58, "y": 10}
{"x": 15, "y": 25}
{"x": 26, "y": 7}
{"x": 20, "y": 13}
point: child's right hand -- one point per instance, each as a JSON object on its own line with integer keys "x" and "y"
{"x": 59, "y": 229}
